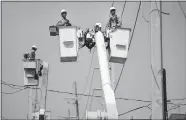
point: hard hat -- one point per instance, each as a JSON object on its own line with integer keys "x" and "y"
{"x": 63, "y": 10}
{"x": 98, "y": 24}
{"x": 42, "y": 111}
{"x": 112, "y": 8}
{"x": 34, "y": 47}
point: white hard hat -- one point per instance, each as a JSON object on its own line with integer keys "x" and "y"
{"x": 98, "y": 24}
{"x": 42, "y": 111}
{"x": 63, "y": 10}
{"x": 112, "y": 8}
{"x": 34, "y": 46}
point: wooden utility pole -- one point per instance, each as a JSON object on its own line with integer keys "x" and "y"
{"x": 157, "y": 60}
{"x": 76, "y": 102}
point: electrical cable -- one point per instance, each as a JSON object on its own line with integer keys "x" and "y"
{"x": 88, "y": 73}
{"x": 4, "y": 83}
{"x": 134, "y": 109}
{"x": 129, "y": 45}
{"x": 144, "y": 15}
{"x": 89, "y": 93}
{"x": 14, "y": 91}
{"x": 123, "y": 10}
{"x": 112, "y": 3}
{"x": 118, "y": 98}
{"x": 134, "y": 25}
{"x": 182, "y": 9}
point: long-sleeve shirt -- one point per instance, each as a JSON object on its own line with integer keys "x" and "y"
{"x": 62, "y": 22}
{"x": 113, "y": 22}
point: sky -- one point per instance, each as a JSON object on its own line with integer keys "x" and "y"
{"x": 27, "y": 23}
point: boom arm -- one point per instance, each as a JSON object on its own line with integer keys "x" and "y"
{"x": 109, "y": 96}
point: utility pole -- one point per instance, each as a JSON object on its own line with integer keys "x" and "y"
{"x": 157, "y": 61}
{"x": 76, "y": 102}
{"x": 69, "y": 113}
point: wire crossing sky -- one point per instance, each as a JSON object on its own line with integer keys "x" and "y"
{"x": 27, "y": 23}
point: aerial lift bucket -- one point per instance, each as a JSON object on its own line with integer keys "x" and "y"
{"x": 31, "y": 69}
{"x": 68, "y": 43}
{"x": 119, "y": 40}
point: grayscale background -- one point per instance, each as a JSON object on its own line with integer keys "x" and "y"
{"x": 27, "y": 23}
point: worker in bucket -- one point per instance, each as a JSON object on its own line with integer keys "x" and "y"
{"x": 42, "y": 114}
{"x": 31, "y": 55}
{"x": 88, "y": 37}
{"x": 64, "y": 21}
{"x": 113, "y": 22}
{"x": 97, "y": 27}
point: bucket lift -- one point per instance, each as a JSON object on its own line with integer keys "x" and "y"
{"x": 31, "y": 72}
{"x": 119, "y": 40}
{"x": 68, "y": 42}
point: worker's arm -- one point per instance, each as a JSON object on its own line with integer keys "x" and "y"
{"x": 60, "y": 23}
{"x": 119, "y": 24}
{"x": 108, "y": 24}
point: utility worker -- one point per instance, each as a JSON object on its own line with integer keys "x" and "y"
{"x": 32, "y": 54}
{"x": 80, "y": 38}
{"x": 97, "y": 27}
{"x": 64, "y": 21}
{"x": 88, "y": 39}
{"x": 42, "y": 114}
{"x": 114, "y": 21}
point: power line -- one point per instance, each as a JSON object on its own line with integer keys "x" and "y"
{"x": 129, "y": 45}
{"x": 182, "y": 9}
{"x": 80, "y": 94}
{"x": 89, "y": 92}
{"x": 88, "y": 73}
{"x": 144, "y": 15}
{"x": 11, "y": 84}
{"x": 134, "y": 25}
{"x": 134, "y": 109}
{"x": 119, "y": 77}
{"x": 112, "y": 3}
{"x": 123, "y": 10}
{"x": 14, "y": 91}
{"x": 173, "y": 108}
{"x": 133, "y": 100}
{"x": 4, "y": 83}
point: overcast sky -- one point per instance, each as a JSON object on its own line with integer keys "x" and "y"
{"x": 27, "y": 23}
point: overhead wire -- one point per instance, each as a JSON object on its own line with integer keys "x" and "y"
{"x": 134, "y": 25}
{"x": 88, "y": 73}
{"x": 117, "y": 98}
{"x": 134, "y": 109}
{"x": 129, "y": 45}
{"x": 4, "y": 83}
{"x": 182, "y": 9}
{"x": 123, "y": 11}
{"x": 144, "y": 15}
{"x": 14, "y": 91}
{"x": 112, "y": 4}
{"x": 89, "y": 93}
